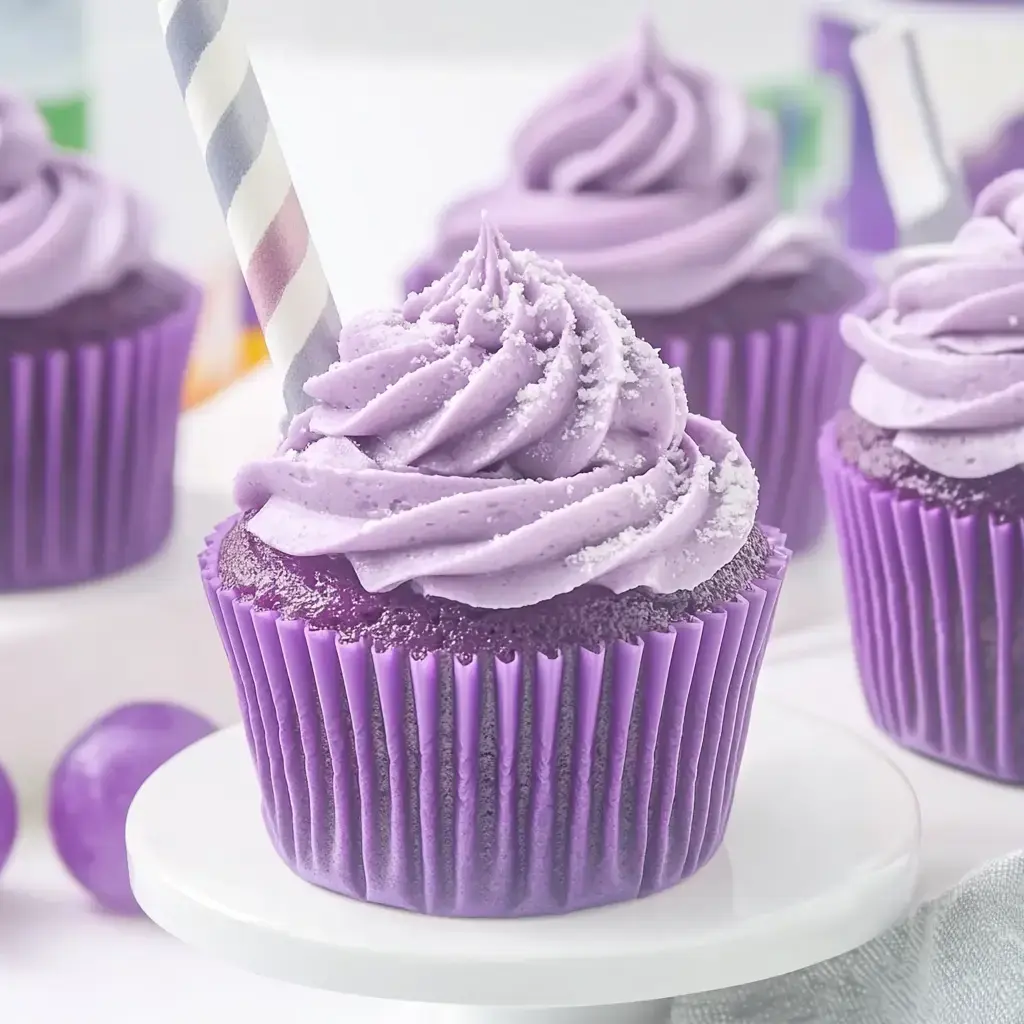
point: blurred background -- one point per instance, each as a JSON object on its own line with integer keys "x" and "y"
{"x": 532, "y": 28}
{"x": 99, "y": 69}
{"x": 390, "y": 108}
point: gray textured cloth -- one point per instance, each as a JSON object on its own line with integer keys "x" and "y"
{"x": 957, "y": 960}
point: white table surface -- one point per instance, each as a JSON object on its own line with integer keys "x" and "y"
{"x": 813, "y": 865}
{"x": 61, "y": 961}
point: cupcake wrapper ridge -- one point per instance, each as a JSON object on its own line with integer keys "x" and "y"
{"x": 539, "y": 785}
{"x": 774, "y": 389}
{"x": 936, "y": 601}
{"x": 87, "y": 443}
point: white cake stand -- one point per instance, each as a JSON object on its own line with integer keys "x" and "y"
{"x": 820, "y": 857}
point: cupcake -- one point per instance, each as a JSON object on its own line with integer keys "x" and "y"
{"x": 924, "y": 476}
{"x": 660, "y": 186}
{"x": 94, "y": 338}
{"x": 496, "y": 609}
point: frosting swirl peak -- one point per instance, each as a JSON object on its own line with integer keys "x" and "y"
{"x": 655, "y": 182}
{"x": 944, "y": 349}
{"x": 65, "y": 229}
{"x": 639, "y": 125}
{"x": 503, "y": 438}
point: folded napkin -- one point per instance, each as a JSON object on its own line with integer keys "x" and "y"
{"x": 957, "y": 960}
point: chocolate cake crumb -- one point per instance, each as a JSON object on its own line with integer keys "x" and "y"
{"x": 325, "y": 592}
{"x": 871, "y": 450}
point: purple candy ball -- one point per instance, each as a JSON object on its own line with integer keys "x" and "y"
{"x": 96, "y": 780}
{"x": 8, "y": 817}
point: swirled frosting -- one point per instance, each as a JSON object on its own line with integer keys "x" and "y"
{"x": 65, "y": 229}
{"x": 944, "y": 349}
{"x": 504, "y": 438}
{"x": 654, "y": 182}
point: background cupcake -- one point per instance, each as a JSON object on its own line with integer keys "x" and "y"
{"x": 660, "y": 186}
{"x": 497, "y": 608}
{"x": 94, "y": 338}
{"x": 925, "y": 480}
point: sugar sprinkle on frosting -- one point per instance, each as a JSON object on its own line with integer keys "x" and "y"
{"x": 503, "y": 438}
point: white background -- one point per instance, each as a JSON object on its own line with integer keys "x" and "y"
{"x": 768, "y": 34}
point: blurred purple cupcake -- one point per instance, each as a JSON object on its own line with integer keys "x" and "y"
{"x": 926, "y": 480}
{"x": 94, "y": 338}
{"x": 497, "y": 608}
{"x": 659, "y": 185}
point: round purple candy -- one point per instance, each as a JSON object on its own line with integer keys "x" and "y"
{"x": 96, "y": 780}
{"x": 8, "y": 817}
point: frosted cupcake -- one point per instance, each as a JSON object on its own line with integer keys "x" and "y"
{"x": 659, "y": 185}
{"x": 497, "y": 608}
{"x": 94, "y": 339}
{"x": 925, "y": 479}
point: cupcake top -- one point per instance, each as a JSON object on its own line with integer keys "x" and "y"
{"x": 65, "y": 229}
{"x": 655, "y": 182}
{"x": 944, "y": 345}
{"x": 502, "y": 439}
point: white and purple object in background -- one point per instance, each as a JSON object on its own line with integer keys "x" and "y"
{"x": 980, "y": 103}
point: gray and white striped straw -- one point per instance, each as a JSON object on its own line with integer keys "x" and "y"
{"x": 926, "y": 190}
{"x": 257, "y": 196}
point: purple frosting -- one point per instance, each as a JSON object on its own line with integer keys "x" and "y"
{"x": 502, "y": 439}
{"x": 65, "y": 229}
{"x": 944, "y": 346}
{"x": 656, "y": 183}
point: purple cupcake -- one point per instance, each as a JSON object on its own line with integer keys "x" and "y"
{"x": 659, "y": 185}
{"x": 94, "y": 339}
{"x": 496, "y": 609}
{"x": 925, "y": 477}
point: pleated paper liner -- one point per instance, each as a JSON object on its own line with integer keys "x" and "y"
{"x": 87, "y": 441}
{"x": 495, "y": 789}
{"x": 937, "y": 607}
{"x": 775, "y": 389}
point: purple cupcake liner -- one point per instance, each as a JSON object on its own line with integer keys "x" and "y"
{"x": 87, "y": 443}
{"x": 775, "y": 389}
{"x": 496, "y": 789}
{"x": 937, "y": 607}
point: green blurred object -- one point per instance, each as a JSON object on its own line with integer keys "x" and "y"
{"x": 68, "y": 120}
{"x": 43, "y": 56}
{"x": 811, "y": 121}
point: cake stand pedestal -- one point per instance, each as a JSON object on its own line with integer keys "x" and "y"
{"x": 820, "y": 857}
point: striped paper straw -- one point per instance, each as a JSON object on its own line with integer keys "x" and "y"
{"x": 929, "y": 199}
{"x": 265, "y": 221}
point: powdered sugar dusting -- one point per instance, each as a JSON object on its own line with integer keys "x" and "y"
{"x": 735, "y": 485}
